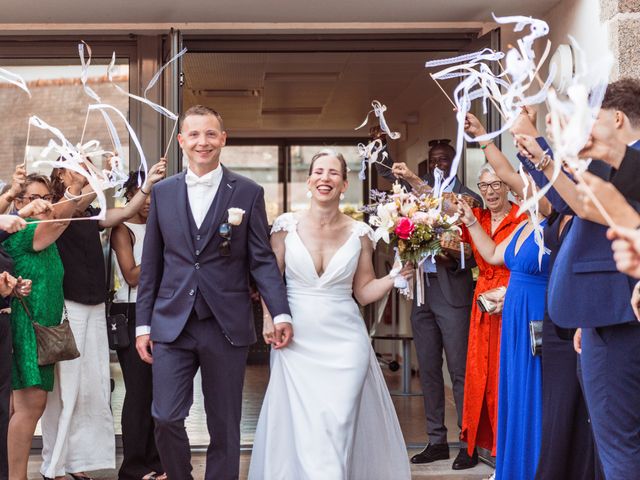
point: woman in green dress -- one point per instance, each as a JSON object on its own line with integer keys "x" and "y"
{"x": 35, "y": 257}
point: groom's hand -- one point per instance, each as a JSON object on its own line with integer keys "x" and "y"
{"x": 144, "y": 345}
{"x": 284, "y": 335}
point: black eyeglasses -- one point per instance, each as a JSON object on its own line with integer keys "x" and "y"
{"x": 35, "y": 196}
{"x": 495, "y": 186}
{"x": 224, "y": 230}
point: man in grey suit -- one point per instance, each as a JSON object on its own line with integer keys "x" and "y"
{"x": 206, "y": 234}
{"x": 442, "y": 322}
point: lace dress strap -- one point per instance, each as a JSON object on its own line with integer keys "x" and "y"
{"x": 361, "y": 229}
{"x": 286, "y": 222}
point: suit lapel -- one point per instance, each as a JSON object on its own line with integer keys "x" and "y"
{"x": 183, "y": 211}
{"x": 220, "y": 203}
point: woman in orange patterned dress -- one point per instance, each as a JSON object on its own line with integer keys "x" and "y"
{"x": 480, "y": 410}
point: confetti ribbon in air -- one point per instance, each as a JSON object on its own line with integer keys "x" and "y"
{"x": 70, "y": 158}
{"x": 116, "y": 170}
{"x": 158, "y": 108}
{"x": 14, "y": 79}
{"x": 374, "y": 149}
{"x": 506, "y": 91}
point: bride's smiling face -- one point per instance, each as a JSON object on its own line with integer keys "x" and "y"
{"x": 327, "y": 178}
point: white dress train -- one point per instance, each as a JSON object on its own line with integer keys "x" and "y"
{"x": 327, "y": 413}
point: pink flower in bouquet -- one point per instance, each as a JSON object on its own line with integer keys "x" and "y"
{"x": 404, "y": 228}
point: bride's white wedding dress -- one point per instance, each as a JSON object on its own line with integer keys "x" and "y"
{"x": 327, "y": 413}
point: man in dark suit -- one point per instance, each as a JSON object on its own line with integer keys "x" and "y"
{"x": 206, "y": 233}
{"x": 587, "y": 292}
{"x": 442, "y": 322}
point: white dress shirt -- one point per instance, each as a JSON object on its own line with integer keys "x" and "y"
{"x": 200, "y": 192}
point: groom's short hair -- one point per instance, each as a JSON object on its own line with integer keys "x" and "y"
{"x": 202, "y": 110}
{"x": 624, "y": 95}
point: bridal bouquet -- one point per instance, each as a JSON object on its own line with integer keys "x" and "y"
{"x": 415, "y": 224}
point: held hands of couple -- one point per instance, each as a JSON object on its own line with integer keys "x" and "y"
{"x": 278, "y": 335}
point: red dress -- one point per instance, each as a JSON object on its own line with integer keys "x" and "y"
{"x": 480, "y": 409}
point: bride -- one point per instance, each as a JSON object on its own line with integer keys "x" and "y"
{"x": 327, "y": 413}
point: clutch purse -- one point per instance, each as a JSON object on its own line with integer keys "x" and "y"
{"x": 118, "y": 331}
{"x": 491, "y": 301}
{"x": 54, "y": 344}
{"x": 535, "y": 337}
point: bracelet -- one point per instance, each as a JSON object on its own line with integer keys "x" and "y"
{"x": 543, "y": 163}
{"x": 482, "y": 147}
{"x": 475, "y": 220}
{"x": 70, "y": 196}
{"x": 143, "y": 192}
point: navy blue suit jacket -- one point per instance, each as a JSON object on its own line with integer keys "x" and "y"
{"x": 585, "y": 287}
{"x": 171, "y": 271}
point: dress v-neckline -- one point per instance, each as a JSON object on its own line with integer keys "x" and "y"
{"x": 310, "y": 257}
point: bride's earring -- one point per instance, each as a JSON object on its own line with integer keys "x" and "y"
{"x": 342, "y": 196}
{"x": 309, "y": 194}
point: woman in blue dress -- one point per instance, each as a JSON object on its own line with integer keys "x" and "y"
{"x": 520, "y": 377}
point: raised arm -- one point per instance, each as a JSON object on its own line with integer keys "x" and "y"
{"x": 494, "y": 156}
{"x": 19, "y": 177}
{"x": 366, "y": 287}
{"x": 115, "y": 216}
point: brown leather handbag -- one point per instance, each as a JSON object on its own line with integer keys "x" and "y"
{"x": 55, "y": 344}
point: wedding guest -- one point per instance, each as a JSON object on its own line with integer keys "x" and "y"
{"x": 441, "y": 324}
{"x": 609, "y": 332}
{"x": 498, "y": 219}
{"x": 140, "y": 455}
{"x": 35, "y": 257}
{"x": 77, "y": 425}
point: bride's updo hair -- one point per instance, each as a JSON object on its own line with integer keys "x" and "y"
{"x": 327, "y": 152}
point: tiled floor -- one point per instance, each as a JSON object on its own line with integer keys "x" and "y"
{"x": 410, "y": 413}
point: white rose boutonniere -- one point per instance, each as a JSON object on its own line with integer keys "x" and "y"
{"x": 235, "y": 216}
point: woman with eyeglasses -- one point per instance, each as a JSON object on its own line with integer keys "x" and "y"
{"x": 519, "y": 427}
{"x": 77, "y": 425}
{"x": 480, "y": 411}
{"x": 327, "y": 413}
{"x": 35, "y": 257}
{"x": 140, "y": 455}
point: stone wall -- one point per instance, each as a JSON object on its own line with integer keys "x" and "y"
{"x": 623, "y": 19}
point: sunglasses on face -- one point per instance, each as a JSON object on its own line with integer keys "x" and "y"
{"x": 35, "y": 196}
{"x": 224, "y": 230}
{"x": 495, "y": 186}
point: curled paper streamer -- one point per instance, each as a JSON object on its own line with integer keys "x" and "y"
{"x": 478, "y": 82}
{"x": 378, "y": 110}
{"x": 104, "y": 110}
{"x": 14, "y": 79}
{"x": 72, "y": 161}
{"x": 369, "y": 154}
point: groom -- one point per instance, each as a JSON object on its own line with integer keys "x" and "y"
{"x": 206, "y": 233}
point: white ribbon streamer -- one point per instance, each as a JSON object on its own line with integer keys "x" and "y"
{"x": 14, "y": 79}
{"x": 378, "y": 110}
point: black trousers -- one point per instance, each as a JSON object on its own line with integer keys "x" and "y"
{"x": 5, "y": 391}
{"x": 140, "y": 455}
{"x": 568, "y": 448}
